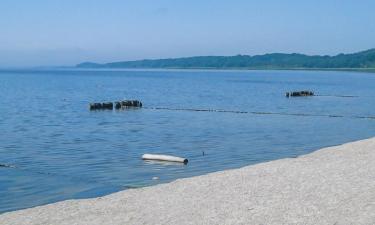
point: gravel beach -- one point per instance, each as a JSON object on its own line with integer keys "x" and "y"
{"x": 334, "y": 185}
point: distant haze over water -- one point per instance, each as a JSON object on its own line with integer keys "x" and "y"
{"x": 65, "y": 33}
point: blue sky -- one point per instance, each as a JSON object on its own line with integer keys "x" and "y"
{"x": 67, "y": 32}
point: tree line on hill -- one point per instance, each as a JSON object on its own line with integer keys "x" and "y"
{"x": 364, "y": 59}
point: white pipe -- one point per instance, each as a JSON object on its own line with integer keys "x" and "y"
{"x": 168, "y": 158}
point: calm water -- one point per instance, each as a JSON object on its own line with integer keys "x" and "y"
{"x": 61, "y": 150}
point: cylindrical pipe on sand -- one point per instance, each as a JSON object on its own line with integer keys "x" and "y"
{"x": 168, "y": 158}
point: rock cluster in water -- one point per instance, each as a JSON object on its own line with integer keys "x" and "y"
{"x": 299, "y": 94}
{"x": 128, "y": 103}
{"x": 116, "y": 105}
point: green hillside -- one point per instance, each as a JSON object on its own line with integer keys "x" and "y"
{"x": 364, "y": 59}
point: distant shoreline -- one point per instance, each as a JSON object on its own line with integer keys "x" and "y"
{"x": 367, "y": 70}
{"x": 363, "y": 70}
{"x": 359, "y": 61}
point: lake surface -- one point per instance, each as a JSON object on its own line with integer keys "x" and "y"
{"x": 61, "y": 150}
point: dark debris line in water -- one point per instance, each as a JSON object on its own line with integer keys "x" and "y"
{"x": 193, "y": 110}
{"x": 259, "y": 113}
{"x": 5, "y": 165}
{"x": 339, "y": 96}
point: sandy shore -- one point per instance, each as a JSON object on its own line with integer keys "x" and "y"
{"x": 334, "y": 185}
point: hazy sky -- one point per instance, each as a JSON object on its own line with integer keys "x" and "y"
{"x": 66, "y": 32}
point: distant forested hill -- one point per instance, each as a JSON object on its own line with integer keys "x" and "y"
{"x": 364, "y": 59}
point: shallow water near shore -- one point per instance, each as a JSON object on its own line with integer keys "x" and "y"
{"x": 60, "y": 150}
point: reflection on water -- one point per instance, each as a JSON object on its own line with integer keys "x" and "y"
{"x": 162, "y": 164}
